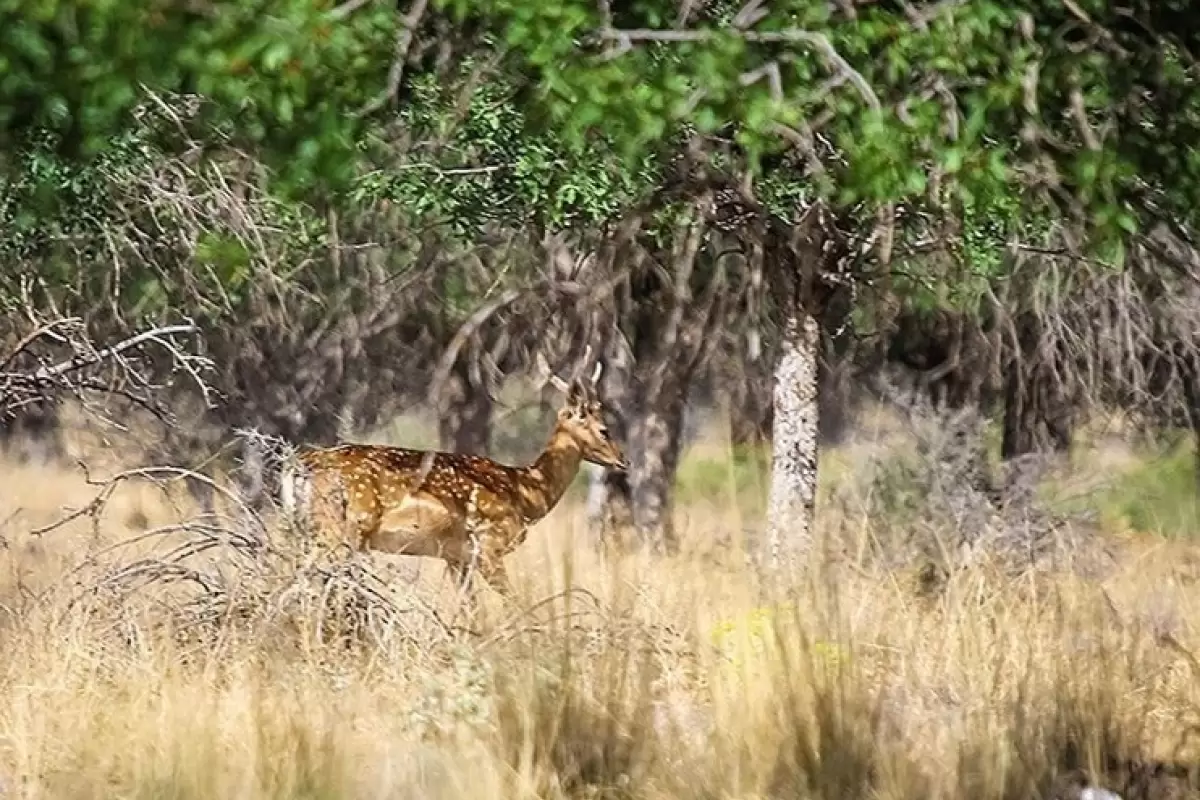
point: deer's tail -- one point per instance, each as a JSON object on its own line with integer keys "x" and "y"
{"x": 295, "y": 491}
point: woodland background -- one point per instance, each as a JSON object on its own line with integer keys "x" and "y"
{"x": 904, "y": 292}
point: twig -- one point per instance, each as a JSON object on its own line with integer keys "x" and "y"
{"x": 347, "y": 8}
{"x": 21, "y": 388}
{"x": 404, "y": 40}
{"x": 155, "y": 475}
{"x": 625, "y": 38}
{"x": 42, "y": 331}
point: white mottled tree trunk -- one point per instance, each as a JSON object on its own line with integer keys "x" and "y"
{"x": 609, "y": 503}
{"x": 792, "y": 500}
{"x": 656, "y": 436}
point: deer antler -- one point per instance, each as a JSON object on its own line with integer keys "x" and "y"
{"x": 587, "y": 356}
{"x": 545, "y": 375}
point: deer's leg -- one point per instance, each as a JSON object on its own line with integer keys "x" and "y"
{"x": 463, "y": 573}
{"x": 493, "y": 571}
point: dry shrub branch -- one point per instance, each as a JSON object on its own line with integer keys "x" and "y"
{"x": 58, "y": 357}
{"x": 216, "y": 575}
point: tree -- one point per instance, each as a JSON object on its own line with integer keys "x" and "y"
{"x": 959, "y": 110}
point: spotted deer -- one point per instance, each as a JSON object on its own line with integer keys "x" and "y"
{"x": 467, "y": 510}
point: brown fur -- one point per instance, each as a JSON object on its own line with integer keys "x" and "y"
{"x": 466, "y": 509}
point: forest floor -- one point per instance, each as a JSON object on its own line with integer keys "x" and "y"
{"x": 904, "y": 662}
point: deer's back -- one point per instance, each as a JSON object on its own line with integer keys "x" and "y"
{"x": 390, "y": 473}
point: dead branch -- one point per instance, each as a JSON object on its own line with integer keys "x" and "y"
{"x": 210, "y": 577}
{"x": 209, "y": 572}
{"x": 37, "y": 370}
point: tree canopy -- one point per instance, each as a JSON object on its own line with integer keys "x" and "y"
{"x": 288, "y": 77}
{"x": 298, "y": 160}
{"x": 1084, "y": 107}
{"x": 1078, "y": 107}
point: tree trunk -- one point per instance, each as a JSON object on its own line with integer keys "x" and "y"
{"x": 750, "y": 408}
{"x": 610, "y": 496}
{"x": 792, "y": 500}
{"x": 1019, "y": 419}
{"x": 656, "y": 437}
{"x": 835, "y": 399}
{"x": 650, "y": 404}
{"x": 609, "y": 507}
{"x": 466, "y": 424}
{"x": 648, "y": 422}
{"x": 662, "y": 377}
{"x": 1037, "y": 412}
{"x": 669, "y": 310}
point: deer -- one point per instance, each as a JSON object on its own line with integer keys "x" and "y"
{"x": 465, "y": 509}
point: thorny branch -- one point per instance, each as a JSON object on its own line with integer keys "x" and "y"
{"x": 204, "y": 577}
{"x": 213, "y": 569}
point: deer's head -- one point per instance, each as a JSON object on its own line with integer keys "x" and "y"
{"x": 582, "y": 418}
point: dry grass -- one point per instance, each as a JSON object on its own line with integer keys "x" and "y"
{"x": 669, "y": 678}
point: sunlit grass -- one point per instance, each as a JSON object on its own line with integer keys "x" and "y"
{"x": 685, "y": 678}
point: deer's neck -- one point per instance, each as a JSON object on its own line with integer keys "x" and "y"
{"x": 544, "y": 482}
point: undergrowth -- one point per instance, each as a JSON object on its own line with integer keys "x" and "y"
{"x": 258, "y": 668}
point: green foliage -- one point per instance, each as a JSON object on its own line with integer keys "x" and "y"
{"x": 92, "y": 232}
{"x": 973, "y": 111}
{"x": 280, "y": 74}
{"x": 496, "y": 165}
{"x": 46, "y": 199}
{"x": 1156, "y": 493}
{"x": 1005, "y": 73}
{"x": 542, "y": 131}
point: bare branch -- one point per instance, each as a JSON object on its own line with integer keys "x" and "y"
{"x": 77, "y": 374}
{"x": 157, "y": 335}
{"x": 46, "y": 330}
{"x": 749, "y": 15}
{"x": 346, "y": 9}
{"x": 404, "y": 40}
{"x": 624, "y": 40}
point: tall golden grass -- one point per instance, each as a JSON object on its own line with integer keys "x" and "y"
{"x": 657, "y": 677}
